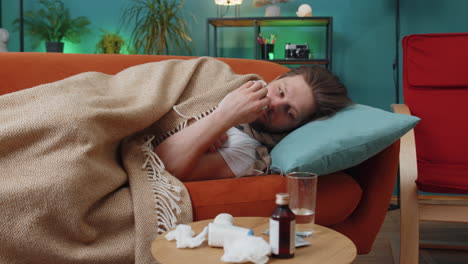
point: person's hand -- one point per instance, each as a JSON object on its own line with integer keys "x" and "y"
{"x": 245, "y": 104}
{"x": 218, "y": 143}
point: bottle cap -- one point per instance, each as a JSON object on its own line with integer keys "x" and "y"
{"x": 282, "y": 198}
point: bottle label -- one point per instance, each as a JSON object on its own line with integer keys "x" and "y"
{"x": 292, "y": 239}
{"x": 274, "y": 236}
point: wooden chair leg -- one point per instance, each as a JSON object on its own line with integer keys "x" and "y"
{"x": 409, "y": 209}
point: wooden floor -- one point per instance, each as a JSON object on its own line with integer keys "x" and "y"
{"x": 388, "y": 239}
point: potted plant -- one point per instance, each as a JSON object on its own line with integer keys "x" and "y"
{"x": 53, "y": 23}
{"x": 110, "y": 43}
{"x": 159, "y": 26}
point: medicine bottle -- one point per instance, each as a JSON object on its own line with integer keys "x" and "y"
{"x": 282, "y": 228}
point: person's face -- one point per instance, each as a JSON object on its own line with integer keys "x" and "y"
{"x": 291, "y": 103}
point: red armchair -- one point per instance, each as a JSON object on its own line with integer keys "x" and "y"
{"x": 433, "y": 157}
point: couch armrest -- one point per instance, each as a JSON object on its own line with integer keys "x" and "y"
{"x": 377, "y": 177}
{"x": 245, "y": 196}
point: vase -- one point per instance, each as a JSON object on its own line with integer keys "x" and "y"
{"x": 54, "y": 46}
{"x": 273, "y": 10}
{"x": 4, "y": 37}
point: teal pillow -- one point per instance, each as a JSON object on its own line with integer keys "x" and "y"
{"x": 351, "y": 136}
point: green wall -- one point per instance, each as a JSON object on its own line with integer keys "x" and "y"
{"x": 363, "y": 34}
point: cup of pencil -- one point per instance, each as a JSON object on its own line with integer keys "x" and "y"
{"x": 267, "y": 47}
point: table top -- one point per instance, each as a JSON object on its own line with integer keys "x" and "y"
{"x": 327, "y": 246}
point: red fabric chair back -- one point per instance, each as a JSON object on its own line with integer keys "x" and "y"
{"x": 435, "y": 81}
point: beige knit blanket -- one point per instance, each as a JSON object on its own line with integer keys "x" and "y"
{"x": 79, "y": 181}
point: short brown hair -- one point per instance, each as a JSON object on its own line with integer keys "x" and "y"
{"x": 330, "y": 94}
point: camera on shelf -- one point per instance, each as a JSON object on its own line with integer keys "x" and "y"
{"x": 296, "y": 51}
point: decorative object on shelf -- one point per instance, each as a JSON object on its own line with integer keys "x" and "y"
{"x": 296, "y": 51}
{"x": 267, "y": 47}
{"x": 4, "y": 37}
{"x": 159, "y": 27}
{"x": 53, "y": 24}
{"x": 304, "y": 10}
{"x": 272, "y": 9}
{"x": 110, "y": 43}
{"x": 228, "y": 3}
{"x": 267, "y": 51}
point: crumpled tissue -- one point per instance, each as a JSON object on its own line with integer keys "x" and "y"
{"x": 244, "y": 249}
{"x": 222, "y": 229}
{"x": 183, "y": 234}
{"x": 239, "y": 243}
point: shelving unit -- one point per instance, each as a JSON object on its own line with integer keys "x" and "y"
{"x": 258, "y": 22}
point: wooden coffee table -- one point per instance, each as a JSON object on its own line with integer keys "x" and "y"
{"x": 327, "y": 246}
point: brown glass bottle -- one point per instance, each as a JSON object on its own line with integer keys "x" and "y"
{"x": 282, "y": 228}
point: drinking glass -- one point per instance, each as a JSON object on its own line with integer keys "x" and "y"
{"x": 302, "y": 189}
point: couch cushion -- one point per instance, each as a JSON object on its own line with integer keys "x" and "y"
{"x": 338, "y": 195}
{"x": 435, "y": 178}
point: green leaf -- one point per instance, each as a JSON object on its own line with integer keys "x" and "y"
{"x": 159, "y": 26}
{"x": 52, "y": 22}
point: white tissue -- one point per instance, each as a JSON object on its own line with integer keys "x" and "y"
{"x": 223, "y": 229}
{"x": 262, "y": 82}
{"x": 224, "y": 218}
{"x": 244, "y": 249}
{"x": 183, "y": 234}
{"x": 219, "y": 233}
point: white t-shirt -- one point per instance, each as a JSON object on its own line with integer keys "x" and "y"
{"x": 239, "y": 151}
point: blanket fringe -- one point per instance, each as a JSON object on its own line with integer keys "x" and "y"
{"x": 165, "y": 194}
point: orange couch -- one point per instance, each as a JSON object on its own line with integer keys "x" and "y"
{"x": 353, "y": 202}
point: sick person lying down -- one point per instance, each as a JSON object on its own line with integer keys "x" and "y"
{"x": 213, "y": 144}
